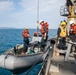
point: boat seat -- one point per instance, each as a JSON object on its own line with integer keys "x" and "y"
{"x": 36, "y": 43}
{"x": 35, "y": 38}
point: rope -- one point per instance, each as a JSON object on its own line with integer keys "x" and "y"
{"x": 37, "y": 61}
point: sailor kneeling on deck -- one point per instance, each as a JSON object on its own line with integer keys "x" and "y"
{"x": 61, "y": 35}
{"x": 26, "y": 36}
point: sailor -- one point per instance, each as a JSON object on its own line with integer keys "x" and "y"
{"x": 61, "y": 34}
{"x": 72, "y": 31}
{"x": 26, "y": 36}
{"x": 44, "y": 31}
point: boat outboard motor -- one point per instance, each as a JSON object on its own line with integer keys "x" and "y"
{"x": 15, "y": 50}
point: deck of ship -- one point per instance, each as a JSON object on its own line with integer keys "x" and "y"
{"x": 62, "y": 62}
{"x": 61, "y": 67}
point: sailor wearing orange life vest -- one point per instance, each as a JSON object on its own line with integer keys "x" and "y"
{"x": 72, "y": 28}
{"x": 71, "y": 31}
{"x": 75, "y": 29}
{"x": 44, "y": 30}
{"x": 26, "y": 36}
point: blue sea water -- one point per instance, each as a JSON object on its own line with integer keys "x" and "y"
{"x": 10, "y": 37}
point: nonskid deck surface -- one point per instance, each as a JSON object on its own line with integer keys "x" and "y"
{"x": 59, "y": 66}
{"x": 64, "y": 68}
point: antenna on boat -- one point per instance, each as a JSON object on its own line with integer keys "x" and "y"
{"x": 38, "y": 22}
{"x": 38, "y": 17}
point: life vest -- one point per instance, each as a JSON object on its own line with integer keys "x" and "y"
{"x": 25, "y": 33}
{"x": 63, "y": 32}
{"x": 74, "y": 29}
{"x": 42, "y": 27}
{"x": 71, "y": 30}
{"x": 35, "y": 33}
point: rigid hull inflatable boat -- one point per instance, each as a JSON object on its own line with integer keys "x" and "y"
{"x": 16, "y": 62}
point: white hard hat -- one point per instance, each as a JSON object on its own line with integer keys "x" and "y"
{"x": 41, "y": 21}
{"x": 26, "y": 28}
{"x": 71, "y": 22}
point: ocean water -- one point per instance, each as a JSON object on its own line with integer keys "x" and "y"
{"x": 10, "y": 37}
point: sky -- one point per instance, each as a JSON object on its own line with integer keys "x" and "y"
{"x": 23, "y": 13}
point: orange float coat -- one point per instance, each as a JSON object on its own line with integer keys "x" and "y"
{"x": 75, "y": 29}
{"x": 43, "y": 28}
{"x": 25, "y": 33}
{"x": 72, "y": 29}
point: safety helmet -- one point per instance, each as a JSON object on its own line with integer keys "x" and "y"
{"x": 26, "y": 28}
{"x": 63, "y": 23}
{"x": 41, "y": 21}
{"x": 71, "y": 22}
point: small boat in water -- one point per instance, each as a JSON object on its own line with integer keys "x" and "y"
{"x": 17, "y": 63}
